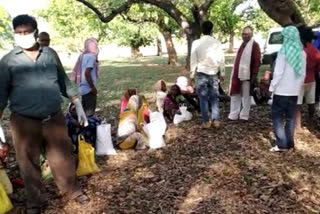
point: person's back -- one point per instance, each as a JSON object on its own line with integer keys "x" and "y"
{"x": 285, "y": 81}
{"x": 206, "y": 47}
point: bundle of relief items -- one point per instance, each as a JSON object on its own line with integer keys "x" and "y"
{"x": 75, "y": 129}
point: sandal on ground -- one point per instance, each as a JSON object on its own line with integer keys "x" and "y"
{"x": 82, "y": 199}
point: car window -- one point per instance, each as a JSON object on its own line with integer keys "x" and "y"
{"x": 276, "y": 38}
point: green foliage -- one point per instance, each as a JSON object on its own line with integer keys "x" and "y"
{"x": 259, "y": 19}
{"x": 6, "y": 35}
{"x": 225, "y": 20}
{"x": 310, "y": 10}
{"x": 73, "y": 23}
{"x": 126, "y": 33}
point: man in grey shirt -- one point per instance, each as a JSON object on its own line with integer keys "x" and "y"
{"x": 32, "y": 79}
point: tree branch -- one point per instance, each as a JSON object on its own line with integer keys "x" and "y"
{"x": 171, "y": 10}
{"x": 206, "y": 5}
{"x": 125, "y": 7}
{"x": 283, "y": 12}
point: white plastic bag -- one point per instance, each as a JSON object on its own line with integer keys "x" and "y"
{"x": 184, "y": 116}
{"x": 104, "y": 144}
{"x": 155, "y": 130}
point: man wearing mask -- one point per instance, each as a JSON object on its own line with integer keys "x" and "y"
{"x": 244, "y": 76}
{"x": 207, "y": 60}
{"x": 32, "y": 79}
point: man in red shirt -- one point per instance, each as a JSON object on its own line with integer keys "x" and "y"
{"x": 308, "y": 90}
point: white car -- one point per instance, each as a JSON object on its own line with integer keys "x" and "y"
{"x": 273, "y": 44}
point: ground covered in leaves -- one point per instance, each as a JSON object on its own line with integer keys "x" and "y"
{"x": 225, "y": 170}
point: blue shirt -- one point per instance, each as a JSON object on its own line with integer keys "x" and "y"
{"x": 88, "y": 61}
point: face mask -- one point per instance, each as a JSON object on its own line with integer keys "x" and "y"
{"x": 25, "y": 41}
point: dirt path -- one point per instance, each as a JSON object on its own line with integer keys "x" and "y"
{"x": 225, "y": 170}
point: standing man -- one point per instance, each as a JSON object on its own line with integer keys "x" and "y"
{"x": 244, "y": 76}
{"x": 85, "y": 73}
{"x": 32, "y": 80}
{"x": 288, "y": 78}
{"x": 207, "y": 59}
{"x": 44, "y": 39}
{"x": 308, "y": 90}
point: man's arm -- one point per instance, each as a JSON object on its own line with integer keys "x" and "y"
{"x": 193, "y": 59}
{"x": 90, "y": 62}
{"x": 90, "y": 81}
{"x": 5, "y": 80}
{"x": 221, "y": 63}
{"x": 278, "y": 72}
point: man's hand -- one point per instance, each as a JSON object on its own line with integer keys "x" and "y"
{"x": 94, "y": 91}
{"x": 82, "y": 118}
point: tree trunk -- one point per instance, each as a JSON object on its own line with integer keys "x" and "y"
{"x": 135, "y": 52}
{"x": 191, "y": 34}
{"x": 284, "y": 12}
{"x": 159, "y": 47}
{"x": 231, "y": 42}
{"x": 172, "y": 54}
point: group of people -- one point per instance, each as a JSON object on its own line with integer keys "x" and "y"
{"x": 32, "y": 80}
{"x": 295, "y": 69}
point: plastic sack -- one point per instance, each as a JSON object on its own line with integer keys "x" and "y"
{"x": 5, "y": 203}
{"x": 87, "y": 164}
{"x": 155, "y": 130}
{"x": 104, "y": 144}
{"x": 5, "y": 181}
{"x": 184, "y": 116}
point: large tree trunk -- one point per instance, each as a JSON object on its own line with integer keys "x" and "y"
{"x": 284, "y": 12}
{"x": 135, "y": 52}
{"x": 192, "y": 33}
{"x": 231, "y": 42}
{"x": 172, "y": 54}
{"x": 159, "y": 47}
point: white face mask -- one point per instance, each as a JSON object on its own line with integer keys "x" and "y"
{"x": 25, "y": 41}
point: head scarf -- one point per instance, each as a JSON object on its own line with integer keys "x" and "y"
{"x": 134, "y": 103}
{"x": 90, "y": 46}
{"x": 182, "y": 82}
{"x": 292, "y": 48}
{"x": 316, "y": 42}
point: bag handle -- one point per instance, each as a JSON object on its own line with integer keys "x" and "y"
{"x": 81, "y": 138}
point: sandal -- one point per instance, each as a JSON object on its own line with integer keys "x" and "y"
{"x": 82, "y": 199}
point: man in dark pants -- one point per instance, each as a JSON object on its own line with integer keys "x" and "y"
{"x": 32, "y": 78}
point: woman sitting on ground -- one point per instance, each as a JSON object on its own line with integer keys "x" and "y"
{"x": 126, "y": 97}
{"x": 132, "y": 119}
{"x": 188, "y": 92}
{"x": 160, "y": 89}
{"x": 172, "y": 102}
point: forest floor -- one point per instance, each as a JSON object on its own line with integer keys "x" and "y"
{"x": 217, "y": 170}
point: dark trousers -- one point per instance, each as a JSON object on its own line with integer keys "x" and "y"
{"x": 89, "y": 103}
{"x": 283, "y": 118}
{"x": 28, "y": 137}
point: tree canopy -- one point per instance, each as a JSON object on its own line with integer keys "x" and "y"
{"x": 6, "y": 36}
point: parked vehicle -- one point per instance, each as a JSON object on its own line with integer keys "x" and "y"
{"x": 273, "y": 44}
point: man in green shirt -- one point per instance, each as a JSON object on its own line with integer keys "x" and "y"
{"x": 32, "y": 79}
